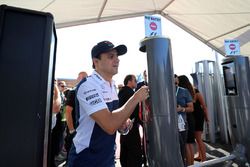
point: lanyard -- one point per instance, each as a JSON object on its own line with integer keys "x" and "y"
{"x": 176, "y": 93}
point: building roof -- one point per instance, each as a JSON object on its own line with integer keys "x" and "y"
{"x": 211, "y": 21}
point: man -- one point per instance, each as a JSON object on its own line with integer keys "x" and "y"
{"x": 56, "y": 106}
{"x": 100, "y": 117}
{"x": 62, "y": 86}
{"x": 139, "y": 85}
{"x": 71, "y": 115}
{"x": 131, "y": 151}
{"x": 144, "y": 82}
{"x": 59, "y": 129}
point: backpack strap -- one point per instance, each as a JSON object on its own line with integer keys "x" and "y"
{"x": 77, "y": 110}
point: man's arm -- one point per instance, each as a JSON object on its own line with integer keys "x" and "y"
{"x": 189, "y": 108}
{"x": 111, "y": 121}
{"x": 70, "y": 104}
{"x": 56, "y": 100}
{"x": 189, "y": 103}
{"x": 69, "y": 119}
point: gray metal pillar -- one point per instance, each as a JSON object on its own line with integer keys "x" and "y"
{"x": 162, "y": 133}
{"x": 222, "y": 103}
{"x": 205, "y": 80}
{"x": 210, "y": 84}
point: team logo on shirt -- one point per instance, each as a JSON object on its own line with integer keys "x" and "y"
{"x": 92, "y": 96}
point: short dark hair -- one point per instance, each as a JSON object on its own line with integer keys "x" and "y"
{"x": 97, "y": 57}
{"x": 128, "y": 78}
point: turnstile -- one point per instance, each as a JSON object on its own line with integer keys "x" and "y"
{"x": 27, "y": 61}
{"x": 236, "y": 73}
{"x": 208, "y": 79}
{"x": 162, "y": 141}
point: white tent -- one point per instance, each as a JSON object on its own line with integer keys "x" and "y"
{"x": 211, "y": 21}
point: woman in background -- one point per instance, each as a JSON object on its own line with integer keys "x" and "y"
{"x": 200, "y": 113}
{"x": 184, "y": 82}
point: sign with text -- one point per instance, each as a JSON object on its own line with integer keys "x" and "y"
{"x": 232, "y": 47}
{"x": 152, "y": 26}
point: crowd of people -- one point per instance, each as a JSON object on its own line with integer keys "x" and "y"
{"x": 85, "y": 118}
{"x": 192, "y": 111}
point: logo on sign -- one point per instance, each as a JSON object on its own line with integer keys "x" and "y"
{"x": 153, "y": 26}
{"x": 232, "y": 46}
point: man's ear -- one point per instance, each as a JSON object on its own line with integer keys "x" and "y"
{"x": 95, "y": 61}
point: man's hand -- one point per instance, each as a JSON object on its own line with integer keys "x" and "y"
{"x": 142, "y": 93}
{"x": 126, "y": 126}
{"x": 179, "y": 108}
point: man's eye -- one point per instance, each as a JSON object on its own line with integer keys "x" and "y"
{"x": 111, "y": 56}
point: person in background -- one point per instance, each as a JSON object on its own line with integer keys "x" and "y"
{"x": 62, "y": 86}
{"x": 184, "y": 106}
{"x": 71, "y": 115}
{"x": 59, "y": 129}
{"x": 184, "y": 82}
{"x": 131, "y": 150}
{"x": 100, "y": 117}
{"x": 139, "y": 85}
{"x": 56, "y": 106}
{"x": 145, "y": 82}
{"x": 200, "y": 113}
{"x": 119, "y": 87}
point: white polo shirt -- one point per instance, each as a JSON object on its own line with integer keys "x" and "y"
{"x": 95, "y": 94}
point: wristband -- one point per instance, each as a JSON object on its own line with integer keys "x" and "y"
{"x": 72, "y": 131}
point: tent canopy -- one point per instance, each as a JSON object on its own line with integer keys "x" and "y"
{"x": 211, "y": 21}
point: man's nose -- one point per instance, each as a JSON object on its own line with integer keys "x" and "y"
{"x": 117, "y": 59}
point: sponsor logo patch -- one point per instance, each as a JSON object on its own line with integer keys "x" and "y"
{"x": 96, "y": 101}
{"x": 88, "y": 91}
{"x": 107, "y": 99}
{"x": 92, "y": 96}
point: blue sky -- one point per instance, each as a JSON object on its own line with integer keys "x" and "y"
{"x": 75, "y": 43}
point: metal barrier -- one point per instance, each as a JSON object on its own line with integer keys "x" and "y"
{"x": 162, "y": 138}
{"x": 208, "y": 80}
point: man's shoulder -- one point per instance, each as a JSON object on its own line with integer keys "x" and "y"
{"x": 125, "y": 92}
{"x": 87, "y": 81}
{"x": 182, "y": 89}
{"x": 72, "y": 92}
{"x": 88, "y": 85}
{"x": 140, "y": 84}
{"x": 125, "y": 89}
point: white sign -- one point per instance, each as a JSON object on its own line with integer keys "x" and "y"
{"x": 152, "y": 26}
{"x": 232, "y": 47}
